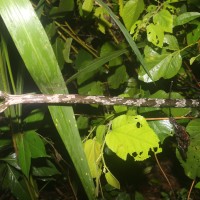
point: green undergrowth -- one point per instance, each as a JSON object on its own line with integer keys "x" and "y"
{"x": 133, "y": 48}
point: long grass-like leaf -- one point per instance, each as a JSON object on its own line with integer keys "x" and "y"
{"x": 34, "y": 47}
{"x": 98, "y": 62}
{"x": 126, "y": 34}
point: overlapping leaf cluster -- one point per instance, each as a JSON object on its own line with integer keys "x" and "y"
{"x": 132, "y": 48}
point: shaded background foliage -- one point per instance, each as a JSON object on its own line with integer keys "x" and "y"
{"x": 95, "y": 59}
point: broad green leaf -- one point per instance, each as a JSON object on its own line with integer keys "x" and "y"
{"x": 35, "y": 143}
{"x": 92, "y": 150}
{"x": 131, "y": 12}
{"x": 132, "y": 135}
{"x": 86, "y": 68}
{"x": 192, "y": 164}
{"x": 11, "y": 160}
{"x": 185, "y": 18}
{"x": 106, "y": 49}
{"x": 171, "y": 41}
{"x": 45, "y": 169}
{"x": 34, "y": 119}
{"x": 127, "y": 35}
{"x": 82, "y": 122}
{"x": 35, "y": 49}
{"x": 112, "y": 180}
{"x": 88, "y": 5}
{"x": 193, "y": 35}
{"x": 160, "y": 65}
{"x": 163, "y": 129}
{"x": 100, "y": 133}
{"x": 23, "y": 153}
{"x": 155, "y": 34}
{"x": 16, "y": 184}
{"x": 164, "y": 20}
{"x": 119, "y": 77}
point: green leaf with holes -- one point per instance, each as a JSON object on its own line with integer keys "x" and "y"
{"x": 164, "y": 19}
{"x": 155, "y": 35}
{"x": 132, "y": 135}
{"x": 192, "y": 164}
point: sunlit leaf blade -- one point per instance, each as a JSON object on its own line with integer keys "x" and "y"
{"x": 132, "y": 135}
{"x": 127, "y": 36}
{"x": 35, "y": 49}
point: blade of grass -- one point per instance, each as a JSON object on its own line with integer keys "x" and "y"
{"x": 96, "y": 63}
{"x": 126, "y": 34}
{"x": 34, "y": 47}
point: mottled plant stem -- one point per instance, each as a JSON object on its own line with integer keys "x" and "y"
{"x": 8, "y": 100}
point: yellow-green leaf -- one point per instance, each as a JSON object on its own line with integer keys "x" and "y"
{"x": 88, "y": 5}
{"x": 155, "y": 34}
{"x": 164, "y": 19}
{"x": 112, "y": 180}
{"x": 132, "y": 135}
{"x": 92, "y": 150}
